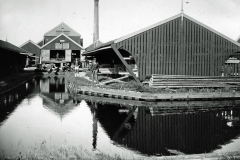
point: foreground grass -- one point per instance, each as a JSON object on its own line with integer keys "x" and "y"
{"x": 131, "y": 85}
{"x": 56, "y": 153}
{"x": 78, "y": 153}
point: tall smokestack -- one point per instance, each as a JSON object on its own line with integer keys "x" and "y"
{"x": 96, "y": 22}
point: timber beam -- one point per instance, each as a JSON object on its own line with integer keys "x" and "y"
{"x": 124, "y": 62}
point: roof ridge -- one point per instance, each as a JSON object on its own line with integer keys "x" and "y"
{"x": 31, "y": 42}
{"x": 12, "y": 47}
{"x": 147, "y": 28}
{"x": 238, "y": 38}
{"x": 60, "y": 25}
{"x": 66, "y": 37}
{"x": 211, "y": 29}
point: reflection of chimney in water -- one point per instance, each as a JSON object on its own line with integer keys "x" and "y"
{"x": 95, "y": 127}
{"x": 96, "y": 22}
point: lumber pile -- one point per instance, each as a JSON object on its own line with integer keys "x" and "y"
{"x": 182, "y": 81}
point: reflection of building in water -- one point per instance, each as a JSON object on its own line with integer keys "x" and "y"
{"x": 61, "y": 109}
{"x": 53, "y": 84}
{"x": 55, "y": 88}
{"x": 192, "y": 133}
{"x": 55, "y": 95}
{"x": 9, "y": 100}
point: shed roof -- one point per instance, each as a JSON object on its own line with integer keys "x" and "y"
{"x": 158, "y": 24}
{"x": 238, "y": 39}
{"x": 11, "y": 47}
{"x": 91, "y": 48}
{"x": 29, "y": 41}
{"x": 172, "y": 18}
{"x": 40, "y": 43}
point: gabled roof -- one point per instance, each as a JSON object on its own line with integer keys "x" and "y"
{"x": 40, "y": 43}
{"x": 60, "y": 26}
{"x": 9, "y": 46}
{"x": 214, "y": 31}
{"x": 170, "y": 19}
{"x": 105, "y": 45}
{"x": 62, "y": 34}
{"x": 147, "y": 28}
{"x": 29, "y": 41}
{"x": 238, "y": 39}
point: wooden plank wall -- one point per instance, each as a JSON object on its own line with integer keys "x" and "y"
{"x": 179, "y": 48}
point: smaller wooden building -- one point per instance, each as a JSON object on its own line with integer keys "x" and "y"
{"x": 12, "y": 58}
{"x": 34, "y": 48}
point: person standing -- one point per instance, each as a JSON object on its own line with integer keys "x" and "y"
{"x": 27, "y": 62}
{"x": 95, "y": 67}
{"x": 76, "y": 67}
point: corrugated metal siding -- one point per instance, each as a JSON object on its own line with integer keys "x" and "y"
{"x": 179, "y": 48}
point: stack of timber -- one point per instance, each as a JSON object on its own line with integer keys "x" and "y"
{"x": 182, "y": 81}
{"x": 106, "y": 71}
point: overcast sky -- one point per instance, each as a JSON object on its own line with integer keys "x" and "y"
{"x": 23, "y": 20}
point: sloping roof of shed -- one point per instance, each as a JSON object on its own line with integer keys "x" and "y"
{"x": 172, "y": 18}
{"x": 92, "y": 48}
{"x": 40, "y": 43}
{"x": 238, "y": 39}
{"x": 11, "y": 47}
{"x": 158, "y": 24}
{"x": 29, "y": 41}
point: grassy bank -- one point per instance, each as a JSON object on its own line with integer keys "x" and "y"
{"x": 56, "y": 153}
{"x": 44, "y": 152}
{"x": 131, "y": 85}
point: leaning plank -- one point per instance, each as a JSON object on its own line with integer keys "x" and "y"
{"x": 124, "y": 62}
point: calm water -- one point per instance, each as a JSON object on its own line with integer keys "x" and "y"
{"x": 42, "y": 110}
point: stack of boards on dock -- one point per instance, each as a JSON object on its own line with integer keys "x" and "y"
{"x": 182, "y": 81}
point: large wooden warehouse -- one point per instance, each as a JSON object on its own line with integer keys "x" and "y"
{"x": 60, "y": 45}
{"x": 179, "y": 45}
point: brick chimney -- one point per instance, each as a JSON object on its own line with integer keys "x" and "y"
{"x": 96, "y": 23}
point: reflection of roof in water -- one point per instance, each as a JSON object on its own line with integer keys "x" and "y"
{"x": 159, "y": 135}
{"x": 56, "y": 107}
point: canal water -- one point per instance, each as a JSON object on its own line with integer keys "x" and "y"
{"x": 43, "y": 111}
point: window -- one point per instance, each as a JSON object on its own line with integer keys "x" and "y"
{"x": 58, "y": 45}
{"x": 65, "y": 45}
{"x": 61, "y": 45}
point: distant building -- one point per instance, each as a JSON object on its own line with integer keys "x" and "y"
{"x": 12, "y": 58}
{"x": 59, "y": 45}
{"x": 32, "y": 47}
